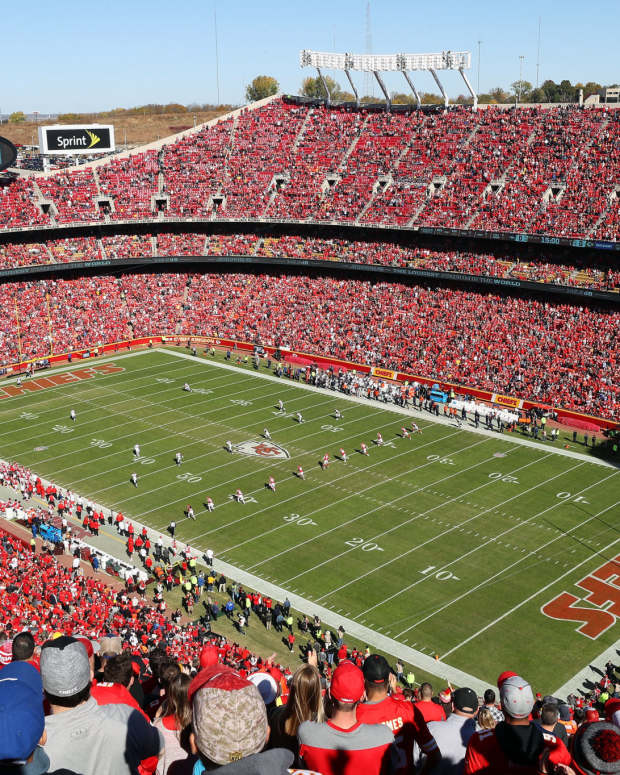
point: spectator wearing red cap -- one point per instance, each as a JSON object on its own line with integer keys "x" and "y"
{"x": 343, "y": 745}
{"x": 209, "y": 656}
{"x": 384, "y": 706}
{"x": 515, "y": 745}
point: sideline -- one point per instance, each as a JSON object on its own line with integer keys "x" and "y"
{"x": 576, "y": 683}
{"x": 400, "y": 410}
{"x": 364, "y": 634}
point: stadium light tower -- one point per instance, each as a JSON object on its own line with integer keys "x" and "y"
{"x": 382, "y": 63}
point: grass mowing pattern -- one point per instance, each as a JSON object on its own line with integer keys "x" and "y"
{"x": 368, "y": 538}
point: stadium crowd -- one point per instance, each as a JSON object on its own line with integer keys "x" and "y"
{"x": 552, "y": 353}
{"x": 95, "y": 678}
{"x": 540, "y": 171}
{"x": 582, "y": 273}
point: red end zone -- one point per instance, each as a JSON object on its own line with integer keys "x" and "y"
{"x": 55, "y": 380}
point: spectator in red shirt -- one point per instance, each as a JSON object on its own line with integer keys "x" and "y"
{"x": 343, "y": 745}
{"x": 516, "y": 744}
{"x": 385, "y": 706}
{"x": 431, "y": 711}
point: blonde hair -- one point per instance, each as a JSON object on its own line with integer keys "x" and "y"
{"x": 305, "y": 702}
{"x": 486, "y": 719}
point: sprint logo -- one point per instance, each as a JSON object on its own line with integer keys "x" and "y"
{"x": 94, "y": 139}
{"x": 81, "y": 139}
{"x": 78, "y": 141}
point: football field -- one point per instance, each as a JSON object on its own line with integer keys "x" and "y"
{"x": 453, "y": 542}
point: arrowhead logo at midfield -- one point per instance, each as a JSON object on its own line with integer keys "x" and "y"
{"x": 265, "y": 449}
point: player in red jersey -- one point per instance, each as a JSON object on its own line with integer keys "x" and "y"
{"x": 239, "y": 497}
{"x": 363, "y": 449}
{"x": 210, "y": 505}
{"x": 404, "y": 433}
{"x": 272, "y": 484}
{"x": 343, "y": 455}
{"x": 300, "y": 472}
{"x": 325, "y": 461}
{"x": 379, "y": 439}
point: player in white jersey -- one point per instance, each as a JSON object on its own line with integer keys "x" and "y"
{"x": 187, "y": 388}
{"x": 343, "y": 455}
{"x": 239, "y": 497}
{"x": 325, "y": 461}
{"x": 379, "y": 439}
{"x": 210, "y": 505}
{"x": 337, "y": 415}
{"x": 363, "y": 449}
{"x": 229, "y": 446}
{"x": 300, "y": 472}
{"x": 72, "y": 415}
{"x": 266, "y": 434}
{"x": 136, "y": 450}
{"x": 178, "y": 458}
{"x": 134, "y": 479}
{"x": 272, "y": 484}
{"x": 299, "y": 417}
{"x": 280, "y": 405}
{"x": 414, "y": 428}
{"x": 404, "y": 433}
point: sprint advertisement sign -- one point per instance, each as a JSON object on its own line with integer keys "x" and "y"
{"x": 73, "y": 139}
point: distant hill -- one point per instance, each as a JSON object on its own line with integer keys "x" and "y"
{"x": 131, "y": 126}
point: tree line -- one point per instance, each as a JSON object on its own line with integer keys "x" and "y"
{"x": 266, "y": 86}
{"x": 520, "y": 91}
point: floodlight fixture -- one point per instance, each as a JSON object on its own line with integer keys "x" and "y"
{"x": 383, "y": 63}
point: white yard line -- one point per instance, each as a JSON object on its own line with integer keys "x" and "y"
{"x": 356, "y": 494}
{"x": 335, "y": 503}
{"x": 451, "y": 529}
{"x": 411, "y": 413}
{"x": 158, "y": 404}
{"x": 492, "y": 540}
{"x": 539, "y": 591}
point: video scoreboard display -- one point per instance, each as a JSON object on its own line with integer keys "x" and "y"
{"x": 69, "y": 139}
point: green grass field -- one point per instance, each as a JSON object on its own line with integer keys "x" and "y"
{"x": 449, "y": 541}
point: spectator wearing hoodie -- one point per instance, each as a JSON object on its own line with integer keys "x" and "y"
{"x": 516, "y": 744}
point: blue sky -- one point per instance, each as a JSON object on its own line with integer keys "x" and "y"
{"x": 82, "y": 55}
